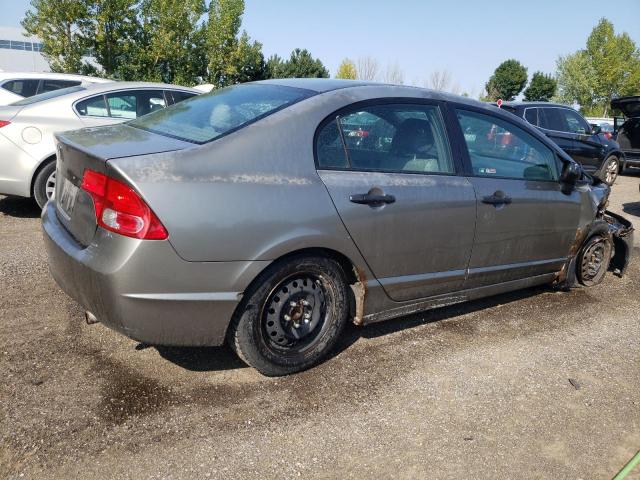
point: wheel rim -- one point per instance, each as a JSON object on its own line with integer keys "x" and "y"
{"x": 50, "y": 186}
{"x": 294, "y": 314}
{"x": 612, "y": 170}
{"x": 593, "y": 260}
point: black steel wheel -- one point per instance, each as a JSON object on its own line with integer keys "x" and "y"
{"x": 292, "y": 316}
{"x": 593, "y": 260}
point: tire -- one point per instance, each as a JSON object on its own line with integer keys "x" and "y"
{"x": 610, "y": 169}
{"x": 293, "y": 316}
{"x": 44, "y": 183}
{"x": 593, "y": 260}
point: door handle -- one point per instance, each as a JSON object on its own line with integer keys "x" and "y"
{"x": 498, "y": 198}
{"x": 372, "y": 199}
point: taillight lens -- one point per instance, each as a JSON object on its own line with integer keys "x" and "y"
{"x": 120, "y": 209}
{"x": 4, "y": 123}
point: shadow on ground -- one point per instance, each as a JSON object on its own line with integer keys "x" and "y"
{"x": 202, "y": 359}
{"x": 632, "y": 208}
{"x": 19, "y": 207}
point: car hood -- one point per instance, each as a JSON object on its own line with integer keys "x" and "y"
{"x": 629, "y": 106}
{"x": 117, "y": 141}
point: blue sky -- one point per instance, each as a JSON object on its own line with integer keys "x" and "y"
{"x": 469, "y": 38}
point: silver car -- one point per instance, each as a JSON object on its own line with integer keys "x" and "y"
{"x": 270, "y": 214}
{"x": 27, "y": 127}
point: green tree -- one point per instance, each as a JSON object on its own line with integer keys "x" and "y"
{"x": 232, "y": 59}
{"x": 171, "y": 41}
{"x": 59, "y": 23}
{"x": 347, "y": 70}
{"x": 608, "y": 67}
{"x": 113, "y": 34}
{"x": 507, "y": 81}
{"x": 301, "y": 64}
{"x": 274, "y": 67}
{"x": 541, "y": 88}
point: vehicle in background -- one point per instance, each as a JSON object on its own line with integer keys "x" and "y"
{"x": 628, "y": 130}
{"x": 248, "y": 214}
{"x": 606, "y": 129}
{"x": 204, "y": 88}
{"x": 27, "y": 146}
{"x": 598, "y": 155}
{"x": 14, "y": 86}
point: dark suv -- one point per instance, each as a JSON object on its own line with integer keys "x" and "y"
{"x": 628, "y": 134}
{"x": 572, "y": 133}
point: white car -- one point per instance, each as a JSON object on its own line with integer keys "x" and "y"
{"x": 27, "y": 147}
{"x": 15, "y": 86}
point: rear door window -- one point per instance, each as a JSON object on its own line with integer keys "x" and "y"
{"x": 386, "y": 138}
{"x": 122, "y": 105}
{"x": 500, "y": 149}
{"x": 150, "y": 101}
{"x": 552, "y": 119}
{"x": 51, "y": 85}
{"x": 24, "y": 88}
{"x": 93, "y": 107}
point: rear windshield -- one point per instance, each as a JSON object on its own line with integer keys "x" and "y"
{"x": 206, "y": 117}
{"x": 47, "y": 95}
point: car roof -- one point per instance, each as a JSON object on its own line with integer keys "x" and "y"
{"x": 324, "y": 85}
{"x": 523, "y": 104}
{"x": 98, "y": 88}
{"x": 107, "y": 87}
{"x": 50, "y": 75}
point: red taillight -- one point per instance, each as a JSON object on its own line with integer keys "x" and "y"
{"x": 120, "y": 209}
{"x": 4, "y": 123}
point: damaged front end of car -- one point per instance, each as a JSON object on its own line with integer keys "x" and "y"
{"x": 603, "y": 241}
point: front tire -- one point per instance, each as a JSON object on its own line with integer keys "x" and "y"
{"x": 610, "y": 169}
{"x": 293, "y": 317}
{"x": 44, "y": 184}
{"x": 593, "y": 260}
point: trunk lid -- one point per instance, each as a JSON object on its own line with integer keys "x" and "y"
{"x": 92, "y": 148}
{"x": 629, "y": 106}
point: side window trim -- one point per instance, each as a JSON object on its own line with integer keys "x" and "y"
{"x": 443, "y": 110}
{"x": 343, "y": 142}
{"x": 467, "y": 157}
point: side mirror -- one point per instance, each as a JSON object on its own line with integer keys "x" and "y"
{"x": 596, "y": 129}
{"x": 571, "y": 173}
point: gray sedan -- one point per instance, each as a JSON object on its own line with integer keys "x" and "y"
{"x": 272, "y": 213}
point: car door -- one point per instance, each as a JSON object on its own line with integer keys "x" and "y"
{"x": 392, "y": 176}
{"x": 553, "y": 124}
{"x": 587, "y": 146}
{"x": 525, "y": 222}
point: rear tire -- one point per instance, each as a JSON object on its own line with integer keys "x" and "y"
{"x": 45, "y": 183}
{"x": 593, "y": 260}
{"x": 293, "y": 316}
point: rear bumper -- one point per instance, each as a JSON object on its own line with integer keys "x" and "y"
{"x": 143, "y": 289}
{"x": 16, "y": 169}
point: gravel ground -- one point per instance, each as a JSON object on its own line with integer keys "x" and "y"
{"x": 532, "y": 384}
